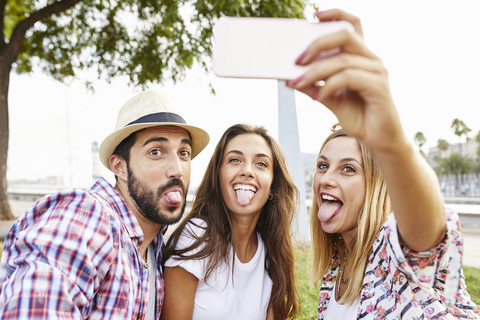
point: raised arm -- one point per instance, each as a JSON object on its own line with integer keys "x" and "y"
{"x": 355, "y": 88}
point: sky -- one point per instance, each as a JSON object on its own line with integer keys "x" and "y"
{"x": 430, "y": 48}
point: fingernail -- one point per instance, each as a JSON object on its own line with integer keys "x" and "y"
{"x": 300, "y": 57}
{"x": 295, "y": 81}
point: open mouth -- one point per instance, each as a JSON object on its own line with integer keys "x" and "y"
{"x": 330, "y": 206}
{"x": 173, "y": 197}
{"x": 244, "y": 193}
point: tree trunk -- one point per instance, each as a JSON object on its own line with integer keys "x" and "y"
{"x": 5, "y": 209}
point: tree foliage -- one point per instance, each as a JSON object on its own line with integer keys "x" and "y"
{"x": 443, "y": 144}
{"x": 148, "y": 41}
{"x": 460, "y": 128}
{"x": 455, "y": 164}
{"x": 420, "y": 140}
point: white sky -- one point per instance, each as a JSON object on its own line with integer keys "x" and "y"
{"x": 430, "y": 48}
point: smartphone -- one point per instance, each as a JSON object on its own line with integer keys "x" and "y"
{"x": 266, "y": 48}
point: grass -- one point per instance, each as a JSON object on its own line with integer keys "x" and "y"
{"x": 472, "y": 279}
{"x": 309, "y": 294}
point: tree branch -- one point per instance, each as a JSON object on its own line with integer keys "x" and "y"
{"x": 18, "y": 35}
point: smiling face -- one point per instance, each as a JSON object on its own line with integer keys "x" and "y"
{"x": 159, "y": 173}
{"x": 246, "y": 174}
{"x": 339, "y": 186}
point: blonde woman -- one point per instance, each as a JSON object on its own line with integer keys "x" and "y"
{"x": 384, "y": 246}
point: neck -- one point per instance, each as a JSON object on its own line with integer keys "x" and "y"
{"x": 246, "y": 241}
{"x": 349, "y": 239}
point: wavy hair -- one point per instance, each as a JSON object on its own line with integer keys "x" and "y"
{"x": 274, "y": 224}
{"x": 375, "y": 211}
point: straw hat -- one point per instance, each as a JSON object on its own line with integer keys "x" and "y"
{"x": 148, "y": 109}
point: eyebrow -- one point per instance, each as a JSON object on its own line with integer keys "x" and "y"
{"x": 163, "y": 139}
{"x": 260, "y": 155}
{"x": 348, "y": 159}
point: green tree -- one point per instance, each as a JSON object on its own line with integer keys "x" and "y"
{"x": 443, "y": 144}
{"x": 148, "y": 41}
{"x": 420, "y": 140}
{"x": 460, "y": 128}
{"x": 455, "y": 164}
{"x": 477, "y": 167}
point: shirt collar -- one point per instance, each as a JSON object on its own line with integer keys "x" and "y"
{"x": 108, "y": 193}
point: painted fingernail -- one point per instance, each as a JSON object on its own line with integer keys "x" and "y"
{"x": 295, "y": 81}
{"x": 300, "y": 57}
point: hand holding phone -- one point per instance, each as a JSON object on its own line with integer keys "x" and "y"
{"x": 246, "y": 47}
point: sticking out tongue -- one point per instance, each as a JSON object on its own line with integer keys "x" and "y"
{"x": 173, "y": 197}
{"x": 244, "y": 196}
{"x": 328, "y": 210}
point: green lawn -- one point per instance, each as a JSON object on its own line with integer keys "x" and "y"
{"x": 308, "y": 293}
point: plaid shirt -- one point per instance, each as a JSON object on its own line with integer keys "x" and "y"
{"x": 74, "y": 255}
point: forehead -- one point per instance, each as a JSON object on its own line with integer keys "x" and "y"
{"x": 342, "y": 147}
{"x": 249, "y": 143}
{"x": 168, "y": 132}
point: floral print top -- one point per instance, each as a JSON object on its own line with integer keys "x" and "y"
{"x": 400, "y": 283}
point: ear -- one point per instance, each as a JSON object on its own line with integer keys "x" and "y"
{"x": 118, "y": 166}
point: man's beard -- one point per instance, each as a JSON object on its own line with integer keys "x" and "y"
{"x": 147, "y": 200}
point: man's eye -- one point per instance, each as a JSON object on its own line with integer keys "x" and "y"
{"x": 185, "y": 153}
{"x": 155, "y": 152}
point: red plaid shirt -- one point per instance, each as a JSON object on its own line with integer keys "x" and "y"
{"x": 74, "y": 255}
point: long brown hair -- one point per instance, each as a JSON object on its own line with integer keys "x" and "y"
{"x": 274, "y": 224}
{"x": 375, "y": 211}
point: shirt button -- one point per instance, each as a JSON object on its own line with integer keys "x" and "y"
{"x": 147, "y": 265}
{"x": 140, "y": 242}
{"x": 140, "y": 316}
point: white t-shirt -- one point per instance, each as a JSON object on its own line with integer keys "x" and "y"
{"x": 246, "y": 297}
{"x": 337, "y": 311}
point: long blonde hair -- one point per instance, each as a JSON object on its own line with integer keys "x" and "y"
{"x": 326, "y": 247}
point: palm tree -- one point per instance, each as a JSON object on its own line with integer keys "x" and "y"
{"x": 420, "y": 141}
{"x": 460, "y": 128}
{"x": 443, "y": 144}
{"x": 456, "y": 165}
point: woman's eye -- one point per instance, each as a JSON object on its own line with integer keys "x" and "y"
{"x": 234, "y": 160}
{"x": 349, "y": 169}
{"x": 262, "y": 164}
{"x": 322, "y": 166}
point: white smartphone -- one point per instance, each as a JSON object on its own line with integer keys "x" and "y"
{"x": 247, "y": 47}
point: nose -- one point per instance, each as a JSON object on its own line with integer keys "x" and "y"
{"x": 328, "y": 179}
{"x": 247, "y": 170}
{"x": 174, "y": 167}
